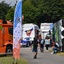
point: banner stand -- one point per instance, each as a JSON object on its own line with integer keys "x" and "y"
{"x": 14, "y": 61}
{"x": 17, "y": 31}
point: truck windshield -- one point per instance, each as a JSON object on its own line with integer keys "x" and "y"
{"x": 11, "y": 30}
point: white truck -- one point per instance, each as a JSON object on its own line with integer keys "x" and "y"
{"x": 44, "y": 29}
{"x": 30, "y": 31}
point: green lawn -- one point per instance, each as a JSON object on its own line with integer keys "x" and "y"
{"x": 61, "y": 53}
{"x": 9, "y": 60}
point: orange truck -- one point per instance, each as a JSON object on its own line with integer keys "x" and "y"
{"x": 6, "y": 37}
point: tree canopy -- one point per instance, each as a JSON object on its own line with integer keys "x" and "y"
{"x": 10, "y": 14}
{"x": 36, "y": 11}
{"x": 3, "y": 9}
{"x": 43, "y": 10}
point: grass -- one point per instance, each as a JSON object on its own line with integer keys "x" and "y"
{"x": 9, "y": 60}
{"x": 61, "y": 53}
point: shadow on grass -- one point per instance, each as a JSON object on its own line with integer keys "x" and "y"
{"x": 5, "y": 55}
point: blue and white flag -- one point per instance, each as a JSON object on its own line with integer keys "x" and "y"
{"x": 17, "y": 29}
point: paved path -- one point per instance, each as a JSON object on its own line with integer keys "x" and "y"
{"x": 43, "y": 58}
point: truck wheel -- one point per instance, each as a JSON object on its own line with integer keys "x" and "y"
{"x": 9, "y": 49}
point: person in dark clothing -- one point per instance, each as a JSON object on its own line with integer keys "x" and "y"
{"x": 35, "y": 45}
{"x": 42, "y": 45}
{"x": 56, "y": 48}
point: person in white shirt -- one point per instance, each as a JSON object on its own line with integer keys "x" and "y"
{"x": 47, "y": 43}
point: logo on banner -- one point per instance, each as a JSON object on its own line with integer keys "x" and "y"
{"x": 28, "y": 32}
{"x": 18, "y": 19}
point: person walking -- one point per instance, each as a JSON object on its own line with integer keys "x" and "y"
{"x": 35, "y": 45}
{"x": 47, "y": 43}
{"x": 42, "y": 45}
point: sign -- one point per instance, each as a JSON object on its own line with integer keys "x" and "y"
{"x": 17, "y": 30}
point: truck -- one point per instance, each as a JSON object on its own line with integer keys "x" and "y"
{"x": 30, "y": 31}
{"x": 45, "y": 28}
{"x": 6, "y": 37}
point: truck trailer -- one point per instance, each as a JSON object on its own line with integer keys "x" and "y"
{"x": 30, "y": 31}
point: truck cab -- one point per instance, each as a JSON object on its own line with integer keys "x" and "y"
{"x": 6, "y": 37}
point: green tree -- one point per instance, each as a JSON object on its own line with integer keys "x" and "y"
{"x": 36, "y": 11}
{"x": 29, "y": 11}
{"x": 10, "y": 14}
{"x": 50, "y": 10}
{"x": 43, "y": 10}
{"x": 3, "y": 9}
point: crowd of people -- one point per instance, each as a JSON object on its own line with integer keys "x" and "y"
{"x": 39, "y": 42}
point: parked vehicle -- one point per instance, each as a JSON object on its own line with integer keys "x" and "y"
{"x": 30, "y": 31}
{"x": 6, "y": 37}
{"x": 45, "y": 28}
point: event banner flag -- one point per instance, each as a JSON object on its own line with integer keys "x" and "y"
{"x": 17, "y": 30}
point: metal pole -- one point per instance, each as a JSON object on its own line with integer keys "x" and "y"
{"x": 14, "y": 61}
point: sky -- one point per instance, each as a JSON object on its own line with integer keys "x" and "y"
{"x": 10, "y": 1}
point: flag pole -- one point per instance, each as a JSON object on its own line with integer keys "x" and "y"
{"x": 14, "y": 61}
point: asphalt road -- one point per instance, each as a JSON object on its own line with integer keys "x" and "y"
{"x": 43, "y": 58}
